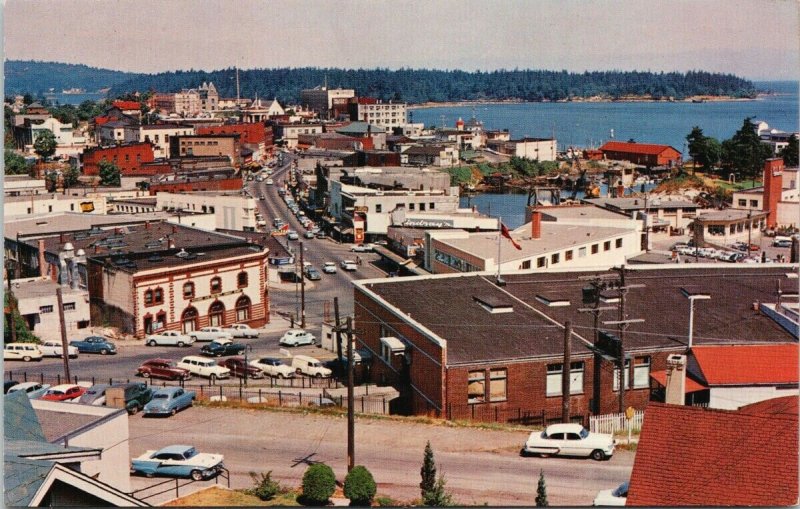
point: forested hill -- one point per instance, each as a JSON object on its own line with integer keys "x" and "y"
{"x": 409, "y": 85}
{"x": 36, "y": 78}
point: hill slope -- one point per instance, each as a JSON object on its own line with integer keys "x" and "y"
{"x": 27, "y": 76}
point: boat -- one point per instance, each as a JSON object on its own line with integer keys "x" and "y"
{"x": 698, "y": 101}
{"x": 73, "y": 91}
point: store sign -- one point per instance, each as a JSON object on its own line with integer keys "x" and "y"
{"x": 361, "y": 209}
{"x": 217, "y": 295}
{"x": 428, "y": 223}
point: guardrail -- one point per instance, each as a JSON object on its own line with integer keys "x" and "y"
{"x": 223, "y": 473}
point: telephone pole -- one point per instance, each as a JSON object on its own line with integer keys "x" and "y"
{"x": 302, "y": 290}
{"x": 351, "y": 418}
{"x": 64, "y": 346}
{"x": 592, "y": 297}
{"x": 565, "y": 372}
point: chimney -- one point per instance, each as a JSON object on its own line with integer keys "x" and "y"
{"x": 174, "y": 229}
{"x": 773, "y": 188}
{"x": 536, "y": 224}
{"x": 147, "y": 225}
{"x": 620, "y": 191}
{"x": 61, "y": 237}
{"x": 676, "y": 380}
{"x": 42, "y": 264}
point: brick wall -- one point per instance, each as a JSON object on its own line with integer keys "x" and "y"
{"x": 128, "y": 158}
{"x": 231, "y": 184}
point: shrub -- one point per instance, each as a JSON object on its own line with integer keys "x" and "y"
{"x": 359, "y": 486}
{"x": 265, "y": 488}
{"x": 438, "y": 496}
{"x": 319, "y": 483}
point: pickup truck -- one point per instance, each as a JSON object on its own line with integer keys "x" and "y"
{"x": 210, "y": 334}
{"x": 169, "y": 337}
{"x": 94, "y": 344}
{"x": 241, "y": 330}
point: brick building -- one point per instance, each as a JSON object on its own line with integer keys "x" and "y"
{"x": 206, "y": 146}
{"x": 250, "y": 134}
{"x": 130, "y": 159}
{"x": 465, "y": 348}
{"x": 192, "y": 183}
{"x": 645, "y": 154}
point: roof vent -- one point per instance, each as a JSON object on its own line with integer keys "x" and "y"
{"x": 494, "y": 304}
{"x": 69, "y": 247}
{"x": 182, "y": 253}
{"x": 552, "y": 301}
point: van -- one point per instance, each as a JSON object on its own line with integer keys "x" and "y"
{"x": 309, "y": 366}
{"x": 22, "y": 351}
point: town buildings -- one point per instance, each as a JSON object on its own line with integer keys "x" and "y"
{"x": 321, "y": 99}
{"x": 38, "y": 306}
{"x": 644, "y": 154}
{"x": 389, "y": 115}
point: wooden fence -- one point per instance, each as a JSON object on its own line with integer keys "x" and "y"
{"x": 612, "y": 423}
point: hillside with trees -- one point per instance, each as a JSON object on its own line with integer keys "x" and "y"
{"x": 33, "y": 77}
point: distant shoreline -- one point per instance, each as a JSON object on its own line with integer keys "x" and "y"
{"x": 642, "y": 99}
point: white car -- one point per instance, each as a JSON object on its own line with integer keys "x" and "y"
{"x": 329, "y": 268}
{"x": 292, "y": 235}
{"x": 54, "y": 349}
{"x": 210, "y": 334}
{"x": 362, "y": 248}
{"x": 349, "y": 265}
{"x": 615, "y": 497}
{"x": 569, "y": 440}
{"x": 269, "y": 182}
{"x": 309, "y": 366}
{"x": 34, "y": 390}
{"x": 273, "y": 367}
{"x": 241, "y": 330}
{"x": 202, "y": 366}
{"x": 169, "y": 338}
{"x": 21, "y": 351}
{"x": 296, "y": 337}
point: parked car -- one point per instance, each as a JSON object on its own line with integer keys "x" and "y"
{"x": 163, "y": 368}
{"x": 210, "y": 334}
{"x": 32, "y": 389}
{"x": 362, "y": 248}
{"x": 782, "y": 242}
{"x": 273, "y": 367}
{"x": 329, "y": 268}
{"x": 21, "y": 352}
{"x": 206, "y": 368}
{"x": 616, "y": 497}
{"x": 238, "y": 368}
{"x": 569, "y": 440}
{"x": 95, "y": 344}
{"x": 94, "y": 395}
{"x": 241, "y": 330}
{"x": 8, "y": 384}
{"x": 304, "y": 365}
{"x": 308, "y": 234}
{"x": 54, "y": 349}
{"x": 292, "y": 235}
{"x": 296, "y": 337}
{"x": 312, "y": 274}
{"x": 269, "y": 182}
{"x": 320, "y": 234}
{"x": 178, "y": 461}
{"x": 64, "y": 392}
{"x": 349, "y": 265}
{"x": 131, "y": 396}
{"x": 222, "y": 347}
{"x": 168, "y": 401}
{"x": 169, "y": 338}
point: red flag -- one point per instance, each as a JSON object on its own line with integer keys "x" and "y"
{"x": 505, "y": 233}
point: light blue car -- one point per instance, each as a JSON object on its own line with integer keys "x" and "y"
{"x": 178, "y": 461}
{"x": 34, "y": 390}
{"x": 168, "y": 401}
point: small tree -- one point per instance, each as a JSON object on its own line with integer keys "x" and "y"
{"x": 438, "y": 496}
{"x": 359, "y": 486}
{"x": 71, "y": 176}
{"x": 265, "y": 488}
{"x": 427, "y": 472}
{"x": 109, "y": 174}
{"x": 790, "y": 152}
{"x": 22, "y": 333}
{"x": 541, "y": 492}
{"x": 45, "y": 144}
{"x": 15, "y": 163}
{"x": 319, "y": 483}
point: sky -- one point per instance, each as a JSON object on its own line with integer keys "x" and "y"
{"x": 755, "y": 39}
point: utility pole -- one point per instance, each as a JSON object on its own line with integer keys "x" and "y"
{"x": 64, "y": 346}
{"x": 565, "y": 372}
{"x": 12, "y": 321}
{"x": 351, "y": 421}
{"x": 302, "y": 290}
{"x": 337, "y": 329}
{"x": 596, "y": 310}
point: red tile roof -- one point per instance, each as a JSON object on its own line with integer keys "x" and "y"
{"x": 635, "y": 148}
{"x": 126, "y": 105}
{"x": 689, "y": 456}
{"x": 748, "y": 364}
{"x": 691, "y": 385}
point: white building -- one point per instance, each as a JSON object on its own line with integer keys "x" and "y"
{"x": 430, "y": 155}
{"x": 231, "y": 210}
{"x": 15, "y": 206}
{"x": 289, "y": 132}
{"x": 387, "y": 115}
{"x": 37, "y": 303}
{"x": 320, "y": 99}
{"x": 788, "y": 203}
{"x": 159, "y": 136}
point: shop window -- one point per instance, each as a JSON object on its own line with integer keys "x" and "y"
{"x": 243, "y": 309}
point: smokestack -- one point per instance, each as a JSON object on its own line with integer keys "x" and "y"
{"x": 536, "y": 224}
{"x": 42, "y": 264}
{"x": 676, "y": 380}
{"x": 773, "y": 188}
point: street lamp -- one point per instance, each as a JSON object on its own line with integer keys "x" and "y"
{"x": 693, "y": 296}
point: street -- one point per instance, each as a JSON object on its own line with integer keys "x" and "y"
{"x": 479, "y": 465}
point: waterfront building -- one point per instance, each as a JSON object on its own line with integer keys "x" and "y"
{"x": 644, "y": 154}
{"x": 388, "y": 116}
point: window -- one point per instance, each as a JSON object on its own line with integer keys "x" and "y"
{"x": 158, "y": 296}
{"x": 754, "y": 203}
{"x": 241, "y": 279}
{"x": 148, "y": 297}
{"x": 422, "y": 207}
{"x": 243, "y": 308}
{"x": 554, "y": 258}
{"x": 431, "y": 205}
{"x": 607, "y": 245}
{"x": 497, "y": 384}
{"x": 476, "y": 390}
{"x": 378, "y": 207}
{"x": 641, "y": 372}
{"x": 69, "y": 306}
{"x": 540, "y": 262}
{"x": 526, "y": 265}
{"x": 595, "y": 248}
{"x": 216, "y": 285}
{"x": 627, "y": 376}
{"x": 743, "y": 203}
{"x": 618, "y": 243}
{"x": 45, "y": 309}
{"x": 568, "y": 255}
{"x": 554, "y": 378}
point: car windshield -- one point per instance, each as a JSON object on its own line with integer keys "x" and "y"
{"x": 161, "y": 396}
{"x": 584, "y": 433}
{"x": 189, "y": 453}
{"x": 622, "y": 490}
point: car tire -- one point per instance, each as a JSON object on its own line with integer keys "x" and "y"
{"x": 27, "y": 358}
{"x": 212, "y": 377}
{"x": 173, "y": 411}
{"x": 145, "y": 374}
{"x": 318, "y": 375}
{"x": 152, "y": 342}
{"x": 524, "y": 453}
{"x": 149, "y": 475}
{"x": 194, "y": 338}
{"x": 240, "y": 352}
{"x": 196, "y": 475}
{"x": 298, "y": 371}
{"x": 104, "y": 352}
{"x": 181, "y": 344}
{"x": 281, "y": 376}
{"x": 218, "y": 354}
{"x": 598, "y": 455}
{"x": 134, "y": 410}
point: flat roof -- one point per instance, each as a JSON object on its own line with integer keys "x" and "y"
{"x": 28, "y": 289}
{"x": 52, "y": 224}
{"x": 580, "y": 212}
{"x": 631, "y": 204}
{"x": 730, "y": 215}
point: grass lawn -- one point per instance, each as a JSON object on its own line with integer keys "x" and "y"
{"x": 220, "y": 497}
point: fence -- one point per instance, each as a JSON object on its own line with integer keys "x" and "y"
{"x": 485, "y": 413}
{"x": 612, "y": 423}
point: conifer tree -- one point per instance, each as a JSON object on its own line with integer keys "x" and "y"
{"x": 541, "y": 492}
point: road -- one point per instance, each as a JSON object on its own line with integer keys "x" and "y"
{"x": 479, "y": 465}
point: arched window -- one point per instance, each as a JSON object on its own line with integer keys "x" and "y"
{"x": 188, "y": 290}
{"x": 243, "y": 308}
{"x": 216, "y": 285}
{"x": 161, "y": 321}
{"x": 189, "y": 320}
{"x": 216, "y": 314}
{"x": 148, "y": 297}
{"x": 158, "y": 296}
{"x": 241, "y": 279}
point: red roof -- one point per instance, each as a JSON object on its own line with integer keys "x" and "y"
{"x": 748, "y": 364}
{"x": 690, "y": 456}
{"x": 126, "y": 105}
{"x": 691, "y": 385}
{"x": 635, "y": 148}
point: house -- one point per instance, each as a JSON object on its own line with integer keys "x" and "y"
{"x": 38, "y": 306}
{"x": 320, "y": 99}
{"x": 430, "y": 155}
{"x": 288, "y": 132}
{"x": 462, "y": 346}
{"x": 645, "y": 154}
{"x": 691, "y": 456}
{"x": 535, "y": 149}
{"x": 721, "y": 228}
{"x": 159, "y": 135}
{"x": 116, "y": 131}
{"x": 42, "y": 470}
{"x": 661, "y": 213}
